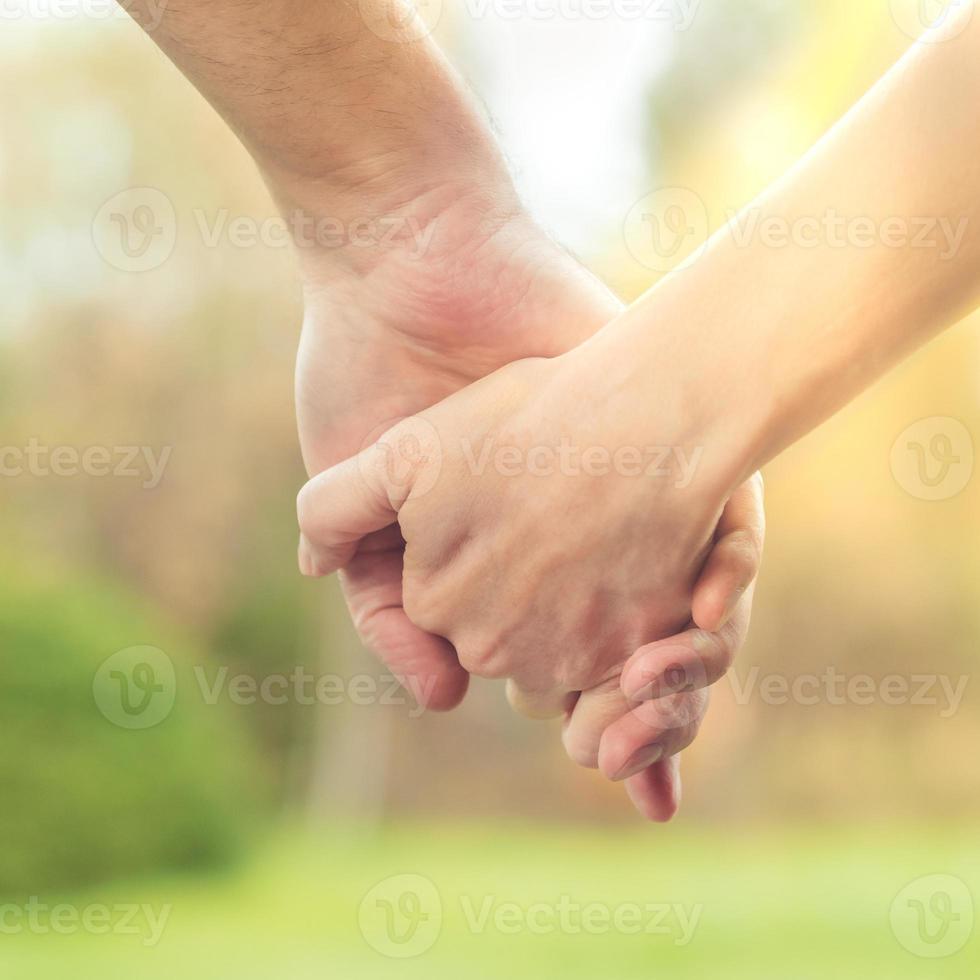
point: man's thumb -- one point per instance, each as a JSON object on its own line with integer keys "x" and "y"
{"x": 342, "y": 505}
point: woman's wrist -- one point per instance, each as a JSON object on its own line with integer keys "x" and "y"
{"x": 688, "y": 379}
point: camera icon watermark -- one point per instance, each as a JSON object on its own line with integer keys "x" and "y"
{"x": 406, "y": 459}
{"x": 136, "y": 688}
{"x": 933, "y": 458}
{"x": 932, "y": 917}
{"x": 136, "y": 229}
{"x": 148, "y": 15}
{"x": 401, "y": 916}
{"x": 401, "y": 21}
{"x": 932, "y": 21}
{"x": 666, "y": 228}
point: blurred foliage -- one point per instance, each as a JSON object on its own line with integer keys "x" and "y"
{"x": 198, "y": 354}
{"x": 88, "y": 801}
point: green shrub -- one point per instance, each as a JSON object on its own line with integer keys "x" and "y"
{"x": 83, "y": 799}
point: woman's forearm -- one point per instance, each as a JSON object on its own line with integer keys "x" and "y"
{"x": 866, "y": 249}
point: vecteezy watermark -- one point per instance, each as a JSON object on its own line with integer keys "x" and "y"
{"x": 932, "y": 21}
{"x": 401, "y": 21}
{"x": 148, "y": 15}
{"x": 571, "y": 918}
{"x": 402, "y": 917}
{"x": 404, "y": 21}
{"x": 932, "y": 917}
{"x": 933, "y": 458}
{"x": 137, "y": 231}
{"x": 136, "y": 688}
{"x": 836, "y": 688}
{"x": 566, "y": 459}
{"x": 679, "y": 14}
{"x": 120, "y": 462}
{"x": 669, "y": 227}
{"x": 666, "y": 228}
{"x": 120, "y": 919}
{"x": 831, "y": 229}
{"x": 410, "y": 454}
{"x": 305, "y": 688}
{"x": 304, "y": 231}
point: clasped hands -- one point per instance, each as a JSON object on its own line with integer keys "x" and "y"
{"x": 567, "y": 523}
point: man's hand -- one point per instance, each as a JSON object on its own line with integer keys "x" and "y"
{"x": 348, "y": 128}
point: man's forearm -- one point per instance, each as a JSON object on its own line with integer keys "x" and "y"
{"x": 334, "y": 113}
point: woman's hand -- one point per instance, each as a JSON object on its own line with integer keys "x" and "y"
{"x": 549, "y": 534}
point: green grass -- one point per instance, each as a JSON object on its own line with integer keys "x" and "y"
{"x": 786, "y": 906}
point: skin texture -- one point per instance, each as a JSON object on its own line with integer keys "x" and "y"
{"x": 682, "y": 368}
{"x": 544, "y": 287}
{"x": 347, "y": 125}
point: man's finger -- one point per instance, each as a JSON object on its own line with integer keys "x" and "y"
{"x": 538, "y": 705}
{"x": 425, "y": 664}
{"x": 653, "y": 731}
{"x": 342, "y": 505}
{"x": 735, "y": 558}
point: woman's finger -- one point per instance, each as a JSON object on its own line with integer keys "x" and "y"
{"x": 651, "y": 732}
{"x": 592, "y": 713}
{"x": 689, "y": 661}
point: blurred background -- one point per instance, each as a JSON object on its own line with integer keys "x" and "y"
{"x": 184, "y": 817}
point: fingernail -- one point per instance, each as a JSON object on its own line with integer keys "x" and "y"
{"x": 730, "y": 608}
{"x": 639, "y": 760}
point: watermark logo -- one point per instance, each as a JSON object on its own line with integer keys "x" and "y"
{"x": 932, "y": 21}
{"x": 933, "y": 458}
{"x": 666, "y": 227}
{"x": 573, "y": 918}
{"x": 678, "y": 14}
{"x": 932, "y": 917}
{"x": 142, "y": 463}
{"x": 406, "y": 459}
{"x": 148, "y": 15}
{"x": 836, "y": 688}
{"x": 36, "y": 918}
{"x": 304, "y": 688}
{"x": 401, "y": 21}
{"x": 136, "y": 229}
{"x": 136, "y": 688}
{"x": 401, "y": 916}
{"x": 943, "y": 234}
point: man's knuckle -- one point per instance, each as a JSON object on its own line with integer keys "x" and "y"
{"x": 424, "y": 607}
{"x": 482, "y": 657}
